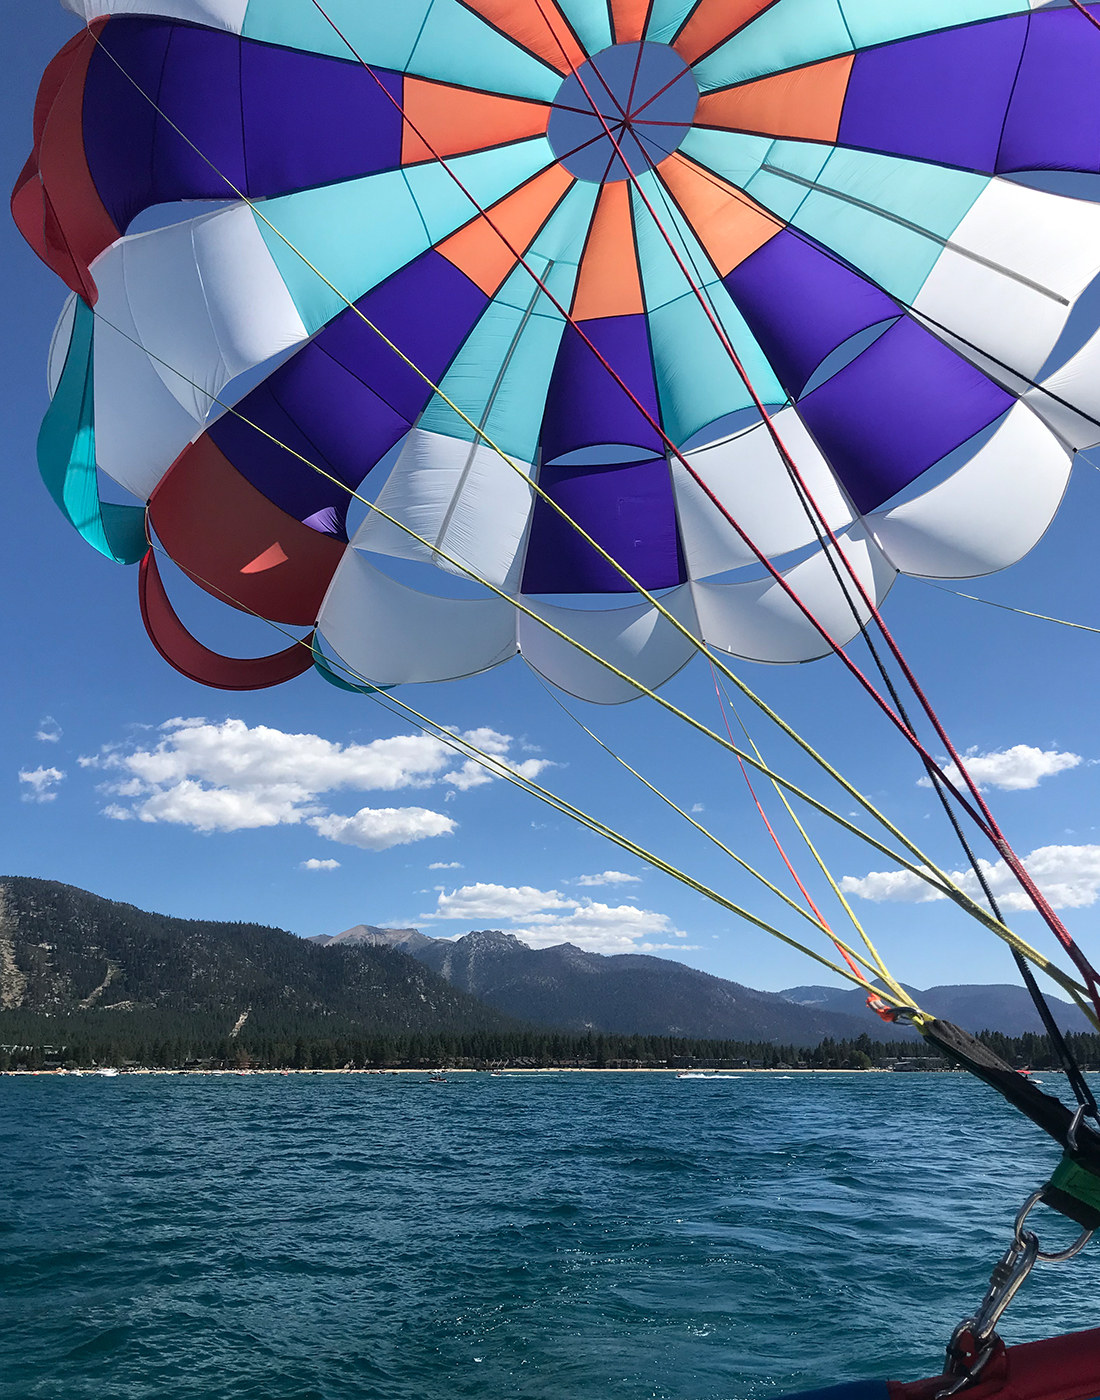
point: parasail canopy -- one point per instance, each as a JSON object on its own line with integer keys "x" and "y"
{"x": 594, "y": 239}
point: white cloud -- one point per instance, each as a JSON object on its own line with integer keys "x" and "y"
{"x": 230, "y": 777}
{"x": 1013, "y": 770}
{"x": 609, "y": 877}
{"x": 1069, "y": 876}
{"x": 49, "y": 731}
{"x": 314, "y": 864}
{"x": 545, "y": 917}
{"x": 41, "y": 782}
{"x": 697, "y": 807}
{"x": 497, "y": 902}
{"x": 445, "y": 865}
{"x": 379, "y": 828}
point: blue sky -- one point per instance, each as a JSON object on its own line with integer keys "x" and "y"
{"x": 164, "y": 814}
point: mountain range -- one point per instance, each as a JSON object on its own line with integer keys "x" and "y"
{"x": 67, "y": 953}
{"x": 634, "y": 993}
{"x": 1000, "y": 1006}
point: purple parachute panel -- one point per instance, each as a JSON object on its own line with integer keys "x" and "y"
{"x": 800, "y": 304}
{"x": 252, "y": 116}
{"x": 585, "y": 406}
{"x": 941, "y": 97}
{"x": 896, "y": 410}
{"x": 628, "y": 509}
{"x": 346, "y": 398}
{"x": 1053, "y": 122}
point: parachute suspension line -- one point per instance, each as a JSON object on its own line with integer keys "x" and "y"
{"x": 814, "y": 917}
{"x": 389, "y": 701}
{"x": 941, "y": 882}
{"x": 986, "y": 822}
{"x": 492, "y": 763}
{"x": 928, "y": 871}
{"x": 1077, "y": 5}
{"x": 864, "y": 936}
{"x": 953, "y": 891}
{"x": 771, "y": 830}
{"x": 841, "y": 947}
{"x": 1023, "y": 612}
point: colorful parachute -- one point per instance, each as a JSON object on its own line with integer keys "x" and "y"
{"x": 557, "y": 214}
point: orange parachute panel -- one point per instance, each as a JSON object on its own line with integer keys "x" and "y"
{"x": 450, "y": 121}
{"x": 712, "y": 22}
{"x": 536, "y": 24}
{"x": 630, "y": 18}
{"x": 482, "y": 252}
{"x": 609, "y": 283}
{"x": 729, "y": 224}
{"x": 805, "y": 104}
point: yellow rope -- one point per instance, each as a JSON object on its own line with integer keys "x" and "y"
{"x": 798, "y": 908}
{"x": 1023, "y": 612}
{"x": 884, "y": 972}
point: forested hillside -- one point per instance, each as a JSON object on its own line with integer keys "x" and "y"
{"x": 74, "y": 958}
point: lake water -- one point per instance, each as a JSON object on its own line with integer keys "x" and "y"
{"x": 544, "y": 1236}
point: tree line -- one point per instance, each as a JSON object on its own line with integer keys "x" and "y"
{"x": 200, "y": 1046}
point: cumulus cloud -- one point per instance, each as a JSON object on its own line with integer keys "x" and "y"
{"x": 49, "y": 731}
{"x": 1013, "y": 770}
{"x": 445, "y": 865}
{"x": 314, "y": 864}
{"x": 41, "y": 782}
{"x": 545, "y": 917}
{"x": 230, "y": 777}
{"x": 1069, "y": 876}
{"x": 500, "y": 902}
{"x": 609, "y": 877}
{"x": 379, "y": 828}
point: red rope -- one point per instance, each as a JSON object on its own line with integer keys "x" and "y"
{"x": 877, "y": 1005}
{"x": 1077, "y": 5}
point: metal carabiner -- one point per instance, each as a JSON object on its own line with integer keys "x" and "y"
{"x": 1055, "y": 1256}
{"x": 1008, "y": 1275}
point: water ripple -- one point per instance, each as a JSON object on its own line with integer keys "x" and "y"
{"x": 536, "y": 1237}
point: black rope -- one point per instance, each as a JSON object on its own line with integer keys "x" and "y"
{"x": 1082, "y": 1091}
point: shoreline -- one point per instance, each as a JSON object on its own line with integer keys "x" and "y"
{"x": 383, "y": 1073}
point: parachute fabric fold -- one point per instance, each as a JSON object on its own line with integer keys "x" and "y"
{"x": 462, "y": 498}
{"x": 636, "y": 640}
{"x": 989, "y": 513}
{"x": 761, "y": 622}
{"x": 67, "y": 448}
{"x": 197, "y": 662}
{"x": 394, "y": 635}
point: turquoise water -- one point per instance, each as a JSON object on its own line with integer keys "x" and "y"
{"x": 550, "y": 1237}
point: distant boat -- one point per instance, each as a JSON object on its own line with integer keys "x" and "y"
{"x": 438, "y": 1078}
{"x": 699, "y": 1074}
{"x": 108, "y": 1072}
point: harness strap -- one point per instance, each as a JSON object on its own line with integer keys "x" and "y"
{"x": 1074, "y": 1189}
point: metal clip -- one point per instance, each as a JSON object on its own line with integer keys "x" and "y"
{"x": 1008, "y": 1275}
